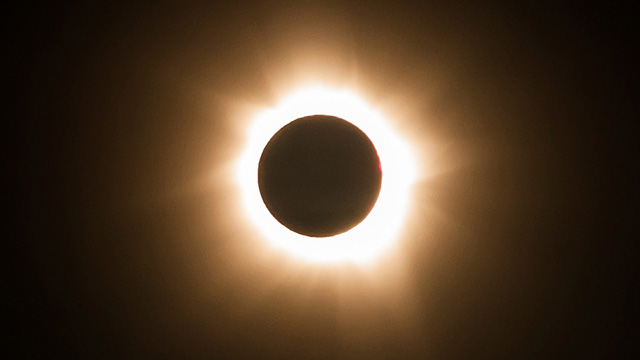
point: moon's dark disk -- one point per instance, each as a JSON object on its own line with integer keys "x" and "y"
{"x": 319, "y": 175}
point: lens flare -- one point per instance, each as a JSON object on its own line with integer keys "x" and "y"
{"x": 378, "y": 231}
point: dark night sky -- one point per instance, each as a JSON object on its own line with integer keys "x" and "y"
{"x": 118, "y": 112}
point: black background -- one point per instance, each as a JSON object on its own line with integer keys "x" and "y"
{"x": 536, "y": 252}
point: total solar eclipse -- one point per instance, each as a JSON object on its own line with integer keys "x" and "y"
{"x": 326, "y": 177}
{"x": 319, "y": 176}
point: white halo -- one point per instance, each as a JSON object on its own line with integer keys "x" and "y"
{"x": 377, "y": 232}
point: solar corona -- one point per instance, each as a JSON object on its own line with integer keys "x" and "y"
{"x": 325, "y": 177}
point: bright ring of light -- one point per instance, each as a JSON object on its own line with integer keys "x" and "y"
{"x": 377, "y": 232}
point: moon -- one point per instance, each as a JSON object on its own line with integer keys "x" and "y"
{"x": 319, "y": 176}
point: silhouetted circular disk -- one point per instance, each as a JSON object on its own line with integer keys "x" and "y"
{"x": 319, "y": 175}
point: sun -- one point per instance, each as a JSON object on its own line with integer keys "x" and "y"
{"x": 379, "y": 230}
